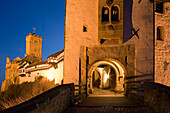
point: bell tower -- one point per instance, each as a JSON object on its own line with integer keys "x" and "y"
{"x": 34, "y": 45}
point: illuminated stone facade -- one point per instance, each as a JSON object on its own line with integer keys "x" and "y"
{"x": 33, "y": 54}
{"x": 34, "y": 45}
{"x": 79, "y": 13}
{"x": 162, "y": 42}
{"x": 52, "y": 69}
{"x": 31, "y": 66}
{"x": 11, "y": 75}
{"x": 118, "y": 33}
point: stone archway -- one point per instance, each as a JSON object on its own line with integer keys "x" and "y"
{"x": 110, "y": 75}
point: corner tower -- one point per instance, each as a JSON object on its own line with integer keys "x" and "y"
{"x": 34, "y": 45}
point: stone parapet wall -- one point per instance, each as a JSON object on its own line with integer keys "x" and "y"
{"x": 55, "y": 100}
{"x": 156, "y": 96}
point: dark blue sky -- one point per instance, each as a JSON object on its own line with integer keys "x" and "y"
{"x": 18, "y": 17}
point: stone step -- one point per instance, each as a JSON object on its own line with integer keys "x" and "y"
{"x": 109, "y": 109}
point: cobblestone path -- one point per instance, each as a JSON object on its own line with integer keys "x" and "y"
{"x": 108, "y": 109}
{"x": 108, "y": 105}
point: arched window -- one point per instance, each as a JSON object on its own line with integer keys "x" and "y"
{"x": 160, "y": 33}
{"x": 115, "y": 13}
{"x": 105, "y": 14}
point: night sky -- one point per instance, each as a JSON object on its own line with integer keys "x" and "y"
{"x": 18, "y": 17}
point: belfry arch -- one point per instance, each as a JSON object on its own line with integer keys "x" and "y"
{"x": 109, "y": 73}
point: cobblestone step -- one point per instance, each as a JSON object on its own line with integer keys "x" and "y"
{"x": 108, "y": 105}
{"x": 109, "y": 109}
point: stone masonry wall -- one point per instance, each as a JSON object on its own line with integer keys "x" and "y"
{"x": 111, "y": 37}
{"x": 162, "y": 47}
{"x": 156, "y": 96}
{"x": 108, "y": 53}
{"x": 85, "y": 12}
{"x": 55, "y": 100}
{"x": 142, "y": 19}
{"x": 79, "y": 13}
{"x": 11, "y": 74}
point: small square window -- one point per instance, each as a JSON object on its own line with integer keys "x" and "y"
{"x": 84, "y": 28}
{"x": 35, "y": 41}
{"x": 159, "y": 7}
{"x": 20, "y": 71}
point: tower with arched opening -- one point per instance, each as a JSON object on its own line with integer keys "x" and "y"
{"x": 116, "y": 47}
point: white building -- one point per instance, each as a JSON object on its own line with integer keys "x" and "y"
{"x": 51, "y": 68}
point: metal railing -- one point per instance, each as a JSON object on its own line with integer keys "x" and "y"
{"x": 80, "y": 93}
{"x": 134, "y": 86}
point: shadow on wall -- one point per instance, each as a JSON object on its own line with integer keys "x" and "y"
{"x": 129, "y": 30}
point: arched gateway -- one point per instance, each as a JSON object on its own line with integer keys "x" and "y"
{"x": 107, "y": 74}
{"x": 103, "y": 43}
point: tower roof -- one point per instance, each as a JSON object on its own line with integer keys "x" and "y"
{"x": 56, "y": 54}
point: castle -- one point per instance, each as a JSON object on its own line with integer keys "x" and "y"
{"x": 109, "y": 41}
{"x": 32, "y": 66}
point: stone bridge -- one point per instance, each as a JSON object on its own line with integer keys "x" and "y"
{"x": 64, "y": 99}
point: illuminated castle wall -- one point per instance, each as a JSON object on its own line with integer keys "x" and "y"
{"x": 162, "y": 42}
{"x": 34, "y": 45}
{"x": 115, "y": 33}
{"x": 31, "y": 66}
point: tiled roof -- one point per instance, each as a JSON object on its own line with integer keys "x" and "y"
{"x": 56, "y": 54}
{"x": 37, "y": 63}
{"x": 22, "y": 66}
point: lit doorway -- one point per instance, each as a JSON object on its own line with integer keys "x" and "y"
{"x": 106, "y": 79}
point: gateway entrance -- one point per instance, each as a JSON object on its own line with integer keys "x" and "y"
{"x": 106, "y": 78}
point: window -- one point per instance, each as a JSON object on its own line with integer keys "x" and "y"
{"x": 126, "y": 59}
{"x": 115, "y": 13}
{"x": 159, "y": 7}
{"x": 84, "y": 28}
{"x": 160, "y": 33}
{"x": 105, "y": 14}
{"x": 20, "y": 71}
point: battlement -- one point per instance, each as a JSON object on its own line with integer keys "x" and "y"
{"x": 34, "y": 45}
{"x": 33, "y": 34}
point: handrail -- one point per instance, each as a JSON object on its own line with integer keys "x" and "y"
{"x": 134, "y": 86}
{"x": 79, "y": 93}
